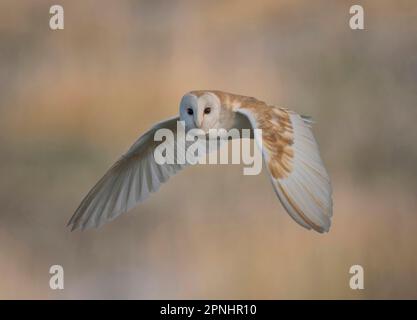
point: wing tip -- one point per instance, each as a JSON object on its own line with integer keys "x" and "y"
{"x": 307, "y": 193}
{"x": 304, "y": 219}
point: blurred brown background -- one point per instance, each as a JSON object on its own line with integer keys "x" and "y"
{"x": 72, "y": 101}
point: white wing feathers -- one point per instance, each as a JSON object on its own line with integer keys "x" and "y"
{"x": 306, "y": 193}
{"x": 129, "y": 181}
{"x": 305, "y": 190}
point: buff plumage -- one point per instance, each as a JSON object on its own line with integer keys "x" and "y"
{"x": 289, "y": 149}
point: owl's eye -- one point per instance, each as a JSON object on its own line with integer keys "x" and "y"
{"x": 207, "y": 110}
{"x": 190, "y": 111}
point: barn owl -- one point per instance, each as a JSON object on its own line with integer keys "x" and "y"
{"x": 289, "y": 150}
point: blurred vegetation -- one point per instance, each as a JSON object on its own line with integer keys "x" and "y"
{"x": 72, "y": 101}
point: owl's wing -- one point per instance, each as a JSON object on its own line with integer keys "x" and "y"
{"x": 292, "y": 157}
{"x": 129, "y": 181}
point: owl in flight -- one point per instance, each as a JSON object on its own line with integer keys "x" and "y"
{"x": 289, "y": 150}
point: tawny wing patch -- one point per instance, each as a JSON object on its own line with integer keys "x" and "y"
{"x": 294, "y": 163}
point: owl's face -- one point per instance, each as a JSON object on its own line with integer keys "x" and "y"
{"x": 201, "y": 112}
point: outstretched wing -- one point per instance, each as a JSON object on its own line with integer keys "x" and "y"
{"x": 297, "y": 172}
{"x": 129, "y": 181}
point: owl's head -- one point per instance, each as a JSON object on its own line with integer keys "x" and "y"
{"x": 201, "y": 111}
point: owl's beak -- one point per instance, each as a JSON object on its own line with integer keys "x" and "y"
{"x": 198, "y": 121}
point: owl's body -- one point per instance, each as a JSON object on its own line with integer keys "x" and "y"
{"x": 289, "y": 149}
